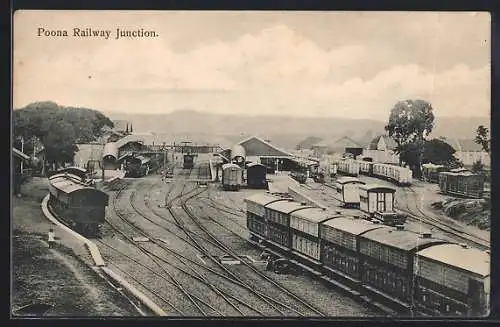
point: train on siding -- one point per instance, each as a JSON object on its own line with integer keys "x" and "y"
{"x": 461, "y": 183}
{"x": 430, "y": 172}
{"x": 188, "y": 162}
{"x": 231, "y": 177}
{"x": 419, "y": 271}
{"x": 256, "y": 175}
{"x": 299, "y": 175}
{"x": 78, "y": 204}
{"x": 396, "y": 174}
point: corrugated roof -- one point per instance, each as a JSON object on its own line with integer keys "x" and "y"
{"x": 315, "y": 214}
{"x": 346, "y": 180}
{"x": 264, "y": 198}
{"x": 470, "y": 259}
{"x": 400, "y": 239}
{"x": 286, "y": 206}
{"x": 351, "y": 225}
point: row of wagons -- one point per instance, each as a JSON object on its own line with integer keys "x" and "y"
{"x": 423, "y": 272}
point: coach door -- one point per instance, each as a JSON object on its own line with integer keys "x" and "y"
{"x": 381, "y": 202}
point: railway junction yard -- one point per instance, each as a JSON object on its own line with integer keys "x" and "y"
{"x": 183, "y": 242}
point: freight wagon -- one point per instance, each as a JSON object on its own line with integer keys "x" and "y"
{"x": 256, "y": 175}
{"x": 456, "y": 270}
{"x": 464, "y": 184}
{"x": 430, "y": 172}
{"x": 400, "y": 175}
{"x": 348, "y": 189}
{"x": 381, "y": 261}
{"x": 349, "y": 167}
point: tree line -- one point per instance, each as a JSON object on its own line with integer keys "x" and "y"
{"x": 58, "y": 128}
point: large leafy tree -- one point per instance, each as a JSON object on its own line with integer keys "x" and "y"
{"x": 439, "y": 152}
{"x": 58, "y": 128}
{"x": 410, "y": 122}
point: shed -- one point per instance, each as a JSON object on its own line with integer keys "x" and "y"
{"x": 376, "y": 198}
{"x": 394, "y": 247}
{"x": 344, "y": 231}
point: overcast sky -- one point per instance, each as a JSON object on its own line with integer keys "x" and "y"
{"x": 293, "y": 63}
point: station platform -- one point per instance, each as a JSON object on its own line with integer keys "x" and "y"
{"x": 280, "y": 182}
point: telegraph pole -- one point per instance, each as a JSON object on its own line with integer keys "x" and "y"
{"x": 22, "y": 150}
{"x": 164, "y": 160}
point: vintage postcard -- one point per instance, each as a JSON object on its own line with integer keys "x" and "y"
{"x": 251, "y": 164}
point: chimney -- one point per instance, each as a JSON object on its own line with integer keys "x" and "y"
{"x": 426, "y": 235}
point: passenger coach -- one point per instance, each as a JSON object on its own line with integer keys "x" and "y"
{"x": 82, "y": 207}
{"x": 231, "y": 177}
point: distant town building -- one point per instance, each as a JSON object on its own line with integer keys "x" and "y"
{"x": 382, "y": 149}
{"x": 342, "y": 145}
{"x": 468, "y": 151}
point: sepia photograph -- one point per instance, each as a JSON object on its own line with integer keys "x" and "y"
{"x": 250, "y": 164}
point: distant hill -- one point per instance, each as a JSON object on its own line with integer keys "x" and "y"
{"x": 285, "y": 132}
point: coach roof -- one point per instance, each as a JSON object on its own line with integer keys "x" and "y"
{"x": 286, "y": 207}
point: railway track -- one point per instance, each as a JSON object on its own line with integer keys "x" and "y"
{"x": 196, "y": 301}
{"x": 419, "y": 215}
{"x": 231, "y": 253}
{"x": 235, "y": 280}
